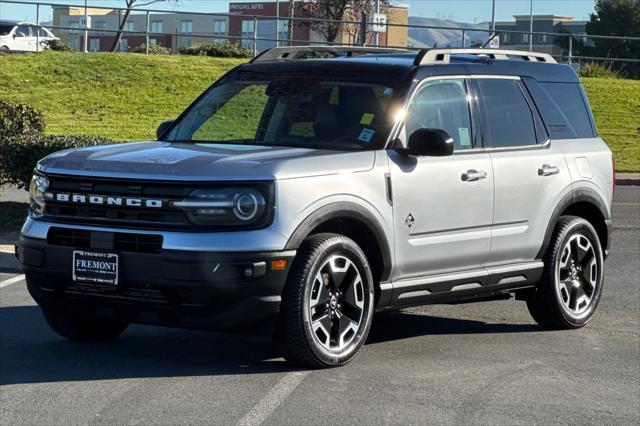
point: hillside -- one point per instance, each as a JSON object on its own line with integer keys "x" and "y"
{"x": 125, "y": 96}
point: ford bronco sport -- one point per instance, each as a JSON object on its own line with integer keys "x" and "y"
{"x": 313, "y": 186}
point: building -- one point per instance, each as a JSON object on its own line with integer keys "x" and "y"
{"x": 171, "y": 30}
{"x": 174, "y": 30}
{"x": 545, "y": 43}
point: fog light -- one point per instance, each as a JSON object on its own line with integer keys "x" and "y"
{"x": 247, "y": 272}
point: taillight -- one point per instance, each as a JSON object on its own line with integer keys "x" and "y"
{"x": 613, "y": 167}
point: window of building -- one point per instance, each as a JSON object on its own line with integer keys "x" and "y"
{"x": 525, "y": 38}
{"x": 283, "y": 30}
{"x": 247, "y": 34}
{"x": 156, "y": 26}
{"x": 123, "y": 45}
{"x": 504, "y": 38}
{"x": 543, "y": 38}
{"x": 74, "y": 43}
{"x": 219, "y": 30}
{"x": 74, "y": 25}
{"x": 130, "y": 26}
{"x": 94, "y": 45}
{"x": 507, "y": 116}
{"x": 186, "y": 27}
{"x": 153, "y": 41}
{"x": 185, "y": 42}
{"x": 101, "y": 25}
{"x": 442, "y": 104}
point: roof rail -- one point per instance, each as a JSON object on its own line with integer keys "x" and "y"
{"x": 443, "y": 56}
{"x": 297, "y": 52}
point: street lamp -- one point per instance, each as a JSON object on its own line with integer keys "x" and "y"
{"x": 86, "y": 24}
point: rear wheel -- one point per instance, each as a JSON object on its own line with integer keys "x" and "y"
{"x": 569, "y": 291}
{"x": 84, "y": 327}
{"x": 327, "y": 303}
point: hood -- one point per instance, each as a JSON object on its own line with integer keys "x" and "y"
{"x": 203, "y": 162}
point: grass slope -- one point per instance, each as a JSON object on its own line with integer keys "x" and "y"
{"x": 118, "y": 96}
{"x": 125, "y": 96}
{"x": 616, "y": 108}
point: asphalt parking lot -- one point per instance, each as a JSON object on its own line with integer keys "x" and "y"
{"x": 482, "y": 363}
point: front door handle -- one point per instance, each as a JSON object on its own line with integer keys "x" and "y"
{"x": 473, "y": 175}
{"x": 547, "y": 170}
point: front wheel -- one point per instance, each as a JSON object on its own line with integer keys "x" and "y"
{"x": 569, "y": 291}
{"x": 327, "y": 304}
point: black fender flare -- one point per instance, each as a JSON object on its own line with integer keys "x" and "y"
{"x": 575, "y": 196}
{"x": 349, "y": 210}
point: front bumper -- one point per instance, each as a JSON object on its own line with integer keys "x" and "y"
{"x": 191, "y": 289}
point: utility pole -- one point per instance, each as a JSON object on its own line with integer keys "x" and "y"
{"x": 493, "y": 15}
{"x": 530, "y": 25}
{"x": 277, "y": 23}
{"x": 377, "y": 34}
{"x": 290, "y": 29}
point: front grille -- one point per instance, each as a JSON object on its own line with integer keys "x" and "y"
{"x": 165, "y": 217}
{"x": 125, "y": 242}
{"x": 125, "y": 294}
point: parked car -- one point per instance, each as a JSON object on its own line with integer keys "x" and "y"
{"x": 298, "y": 195}
{"x": 23, "y": 36}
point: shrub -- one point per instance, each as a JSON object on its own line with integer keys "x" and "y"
{"x": 19, "y": 120}
{"x": 599, "y": 69}
{"x": 18, "y": 156}
{"x": 58, "y": 45}
{"x": 220, "y": 50}
{"x": 154, "y": 49}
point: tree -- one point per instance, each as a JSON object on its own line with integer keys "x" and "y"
{"x": 339, "y": 10}
{"x": 129, "y": 6}
{"x": 616, "y": 18}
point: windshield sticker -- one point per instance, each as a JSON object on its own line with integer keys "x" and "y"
{"x": 367, "y": 119}
{"x": 463, "y": 133}
{"x": 388, "y": 91}
{"x": 366, "y": 135}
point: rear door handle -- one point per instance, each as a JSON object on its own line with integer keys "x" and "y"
{"x": 473, "y": 175}
{"x": 547, "y": 170}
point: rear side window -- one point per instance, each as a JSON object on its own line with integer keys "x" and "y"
{"x": 568, "y": 99}
{"x": 507, "y": 116}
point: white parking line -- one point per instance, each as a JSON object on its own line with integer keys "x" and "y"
{"x": 273, "y": 399}
{"x": 10, "y": 281}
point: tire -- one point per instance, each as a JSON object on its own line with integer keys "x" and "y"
{"x": 4, "y": 48}
{"x": 327, "y": 303}
{"x": 571, "y": 285}
{"x": 84, "y": 327}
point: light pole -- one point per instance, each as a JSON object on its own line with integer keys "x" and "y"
{"x": 530, "y": 25}
{"x": 493, "y": 15}
{"x": 377, "y": 34}
{"x": 86, "y": 24}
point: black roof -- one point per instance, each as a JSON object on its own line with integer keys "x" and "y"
{"x": 397, "y": 66}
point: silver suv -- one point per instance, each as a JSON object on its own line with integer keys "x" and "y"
{"x": 310, "y": 188}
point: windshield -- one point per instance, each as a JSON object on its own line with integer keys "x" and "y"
{"x": 5, "y": 29}
{"x": 301, "y": 112}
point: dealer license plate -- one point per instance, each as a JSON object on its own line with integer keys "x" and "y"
{"x": 95, "y": 267}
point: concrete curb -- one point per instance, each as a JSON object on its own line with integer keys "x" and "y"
{"x": 628, "y": 179}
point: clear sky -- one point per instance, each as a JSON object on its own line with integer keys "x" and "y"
{"x": 469, "y": 11}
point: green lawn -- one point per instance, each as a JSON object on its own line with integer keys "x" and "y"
{"x": 616, "y": 107}
{"x": 118, "y": 96}
{"x": 125, "y": 96}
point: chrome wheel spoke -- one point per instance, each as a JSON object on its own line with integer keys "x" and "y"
{"x": 336, "y": 303}
{"x": 577, "y": 275}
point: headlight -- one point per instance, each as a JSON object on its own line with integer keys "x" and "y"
{"x": 242, "y": 207}
{"x": 37, "y": 189}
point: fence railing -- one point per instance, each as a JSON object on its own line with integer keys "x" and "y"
{"x": 359, "y": 32}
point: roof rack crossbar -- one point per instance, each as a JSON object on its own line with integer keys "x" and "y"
{"x": 295, "y": 52}
{"x": 443, "y": 56}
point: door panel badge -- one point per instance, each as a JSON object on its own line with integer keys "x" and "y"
{"x": 409, "y": 220}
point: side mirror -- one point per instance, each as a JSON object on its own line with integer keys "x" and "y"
{"x": 163, "y": 128}
{"x": 430, "y": 142}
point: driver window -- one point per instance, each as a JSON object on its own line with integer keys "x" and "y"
{"x": 442, "y": 104}
{"x": 22, "y": 31}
